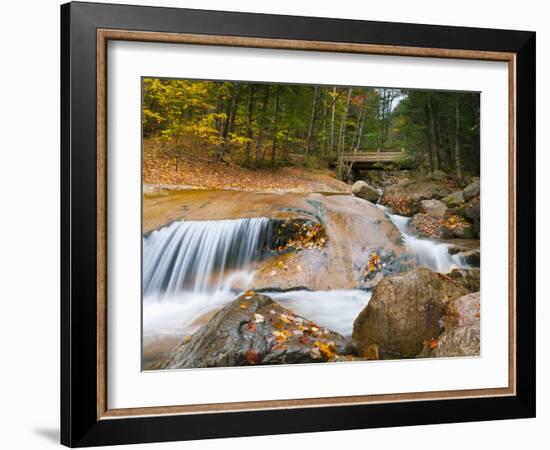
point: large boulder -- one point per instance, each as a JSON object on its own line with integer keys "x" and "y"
{"x": 405, "y": 311}
{"x": 454, "y": 200}
{"x": 254, "y": 330}
{"x": 404, "y": 198}
{"x": 363, "y": 190}
{"x": 434, "y": 208}
{"x": 472, "y": 190}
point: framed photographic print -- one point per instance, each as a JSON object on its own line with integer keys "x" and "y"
{"x": 276, "y": 224}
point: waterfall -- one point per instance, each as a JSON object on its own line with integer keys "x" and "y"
{"x": 431, "y": 254}
{"x": 200, "y": 256}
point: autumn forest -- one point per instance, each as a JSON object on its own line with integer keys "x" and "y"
{"x": 292, "y": 224}
{"x": 258, "y": 125}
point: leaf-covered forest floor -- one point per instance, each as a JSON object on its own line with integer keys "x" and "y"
{"x": 195, "y": 173}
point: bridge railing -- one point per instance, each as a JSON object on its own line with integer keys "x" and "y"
{"x": 375, "y": 155}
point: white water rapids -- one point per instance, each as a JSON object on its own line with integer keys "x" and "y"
{"x": 430, "y": 254}
{"x": 191, "y": 269}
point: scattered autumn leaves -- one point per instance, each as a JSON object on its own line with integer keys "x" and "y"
{"x": 431, "y": 344}
{"x": 288, "y": 329}
{"x": 306, "y": 235}
{"x": 400, "y": 204}
{"x": 429, "y": 226}
{"x": 194, "y": 171}
{"x": 453, "y": 222}
{"x": 374, "y": 264}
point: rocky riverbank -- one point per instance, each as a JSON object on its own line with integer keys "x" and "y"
{"x": 415, "y": 315}
{"x": 328, "y": 243}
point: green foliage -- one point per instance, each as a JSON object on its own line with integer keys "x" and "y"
{"x": 253, "y": 123}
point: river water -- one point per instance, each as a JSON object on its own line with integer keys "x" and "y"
{"x": 191, "y": 269}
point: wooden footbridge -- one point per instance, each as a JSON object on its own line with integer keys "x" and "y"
{"x": 369, "y": 158}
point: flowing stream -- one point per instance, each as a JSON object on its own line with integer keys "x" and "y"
{"x": 429, "y": 253}
{"x": 191, "y": 269}
{"x": 197, "y": 256}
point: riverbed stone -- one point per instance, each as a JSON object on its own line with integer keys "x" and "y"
{"x": 465, "y": 231}
{"x": 427, "y": 226}
{"x": 255, "y": 330}
{"x": 454, "y": 200}
{"x": 362, "y": 190}
{"x": 472, "y": 209}
{"x": 462, "y": 311}
{"x": 405, "y": 311}
{"x": 404, "y": 197}
{"x": 433, "y": 207}
{"x": 469, "y": 278}
{"x": 472, "y": 190}
{"x": 461, "y": 336}
{"x": 461, "y": 341}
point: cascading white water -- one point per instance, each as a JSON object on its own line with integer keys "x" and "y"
{"x": 189, "y": 271}
{"x": 197, "y": 256}
{"x": 430, "y": 254}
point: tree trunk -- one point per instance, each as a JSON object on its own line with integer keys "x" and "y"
{"x": 358, "y": 123}
{"x": 312, "y": 121}
{"x": 443, "y": 157}
{"x": 458, "y": 163}
{"x": 361, "y": 121}
{"x": 249, "y": 132}
{"x": 342, "y": 135}
{"x": 261, "y": 133}
{"x": 332, "y": 124}
{"x": 230, "y": 121}
{"x": 433, "y": 138}
{"x": 275, "y": 125}
{"x": 219, "y": 106}
{"x": 324, "y": 146}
